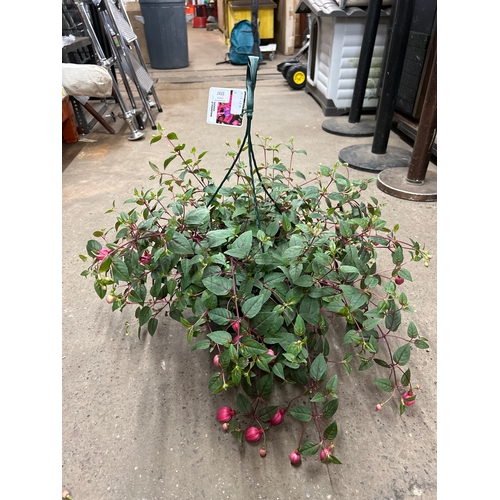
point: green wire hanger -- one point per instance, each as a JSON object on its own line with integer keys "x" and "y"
{"x": 251, "y": 80}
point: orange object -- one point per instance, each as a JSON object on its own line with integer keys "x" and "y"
{"x": 189, "y": 9}
{"x": 69, "y": 128}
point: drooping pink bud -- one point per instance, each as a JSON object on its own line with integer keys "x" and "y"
{"x": 378, "y": 407}
{"x": 145, "y": 258}
{"x": 263, "y": 452}
{"x": 216, "y": 360}
{"x": 398, "y": 280}
{"x": 270, "y": 352}
{"x": 103, "y": 253}
{"x": 66, "y": 495}
{"x": 225, "y": 414}
{"x": 407, "y": 395}
{"x": 252, "y": 434}
{"x": 278, "y": 417}
{"x": 324, "y": 454}
{"x": 225, "y": 426}
{"x": 295, "y": 458}
{"x": 236, "y": 326}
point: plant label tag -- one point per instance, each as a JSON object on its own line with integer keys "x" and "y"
{"x": 225, "y": 106}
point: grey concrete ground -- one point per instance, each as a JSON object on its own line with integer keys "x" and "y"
{"x": 138, "y": 421}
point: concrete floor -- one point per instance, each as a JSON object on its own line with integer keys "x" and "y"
{"x": 138, "y": 422}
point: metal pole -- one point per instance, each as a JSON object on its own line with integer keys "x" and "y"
{"x": 392, "y": 74}
{"x": 255, "y": 28}
{"x": 365, "y": 59}
{"x": 422, "y": 149}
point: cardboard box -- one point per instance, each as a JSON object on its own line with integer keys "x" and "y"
{"x": 134, "y": 9}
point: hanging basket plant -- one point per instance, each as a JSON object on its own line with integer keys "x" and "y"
{"x": 261, "y": 270}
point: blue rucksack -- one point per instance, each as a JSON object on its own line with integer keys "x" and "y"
{"x": 241, "y": 41}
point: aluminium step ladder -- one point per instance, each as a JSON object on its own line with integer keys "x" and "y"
{"x": 132, "y": 70}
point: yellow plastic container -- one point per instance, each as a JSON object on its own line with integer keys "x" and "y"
{"x": 242, "y": 9}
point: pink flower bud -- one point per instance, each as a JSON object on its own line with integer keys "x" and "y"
{"x": 225, "y": 414}
{"x": 103, "y": 253}
{"x": 378, "y": 407}
{"x": 406, "y": 396}
{"x": 145, "y": 258}
{"x": 324, "y": 454}
{"x": 66, "y": 494}
{"x": 398, "y": 280}
{"x": 252, "y": 434}
{"x": 236, "y": 326}
{"x": 295, "y": 458}
{"x": 216, "y": 360}
{"x": 270, "y": 352}
{"x": 225, "y": 426}
{"x": 278, "y": 417}
{"x": 263, "y": 452}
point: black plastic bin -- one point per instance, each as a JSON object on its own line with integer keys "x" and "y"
{"x": 166, "y": 33}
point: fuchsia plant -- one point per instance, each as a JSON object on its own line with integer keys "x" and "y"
{"x": 259, "y": 271}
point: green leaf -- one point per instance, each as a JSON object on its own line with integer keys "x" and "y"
{"x": 405, "y": 274}
{"x": 406, "y": 377}
{"x": 244, "y": 406}
{"x": 305, "y": 281}
{"x": 356, "y": 298}
{"x": 220, "y": 316}
{"x": 331, "y": 431}
{"x": 385, "y": 384}
{"x": 105, "y": 265}
{"x": 180, "y": 244}
{"x": 345, "y": 229}
{"x": 285, "y": 222}
{"x": 216, "y": 383}
{"x": 302, "y": 413}
{"x": 144, "y": 315}
{"x": 349, "y": 270}
{"x": 330, "y": 408}
{"x": 397, "y": 256}
{"x": 412, "y": 330}
{"x": 152, "y": 326}
{"x": 402, "y": 354}
{"x": 100, "y": 290}
{"x": 251, "y": 307}
{"x": 299, "y": 327}
{"x": 332, "y": 384}
{"x": 93, "y": 248}
{"x": 120, "y": 271}
{"x": 198, "y": 217}
{"x": 319, "y": 397}
{"x": 393, "y": 320}
{"x": 278, "y": 371}
{"x": 202, "y": 344}
{"x": 218, "y": 285}
{"x": 318, "y": 368}
{"x": 220, "y": 337}
{"x": 309, "y": 448}
{"x": 219, "y": 237}
{"x": 265, "y": 386}
{"x": 421, "y": 344}
{"x": 381, "y": 362}
{"x": 242, "y": 245}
